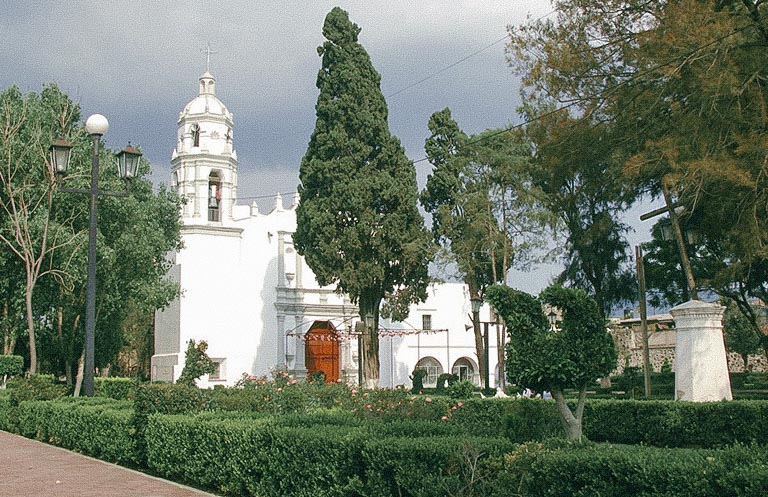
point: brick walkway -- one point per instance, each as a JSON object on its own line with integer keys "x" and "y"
{"x": 29, "y": 468}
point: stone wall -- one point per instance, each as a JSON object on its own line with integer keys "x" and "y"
{"x": 661, "y": 338}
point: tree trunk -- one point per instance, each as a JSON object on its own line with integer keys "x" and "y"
{"x": 31, "y": 328}
{"x": 479, "y": 343}
{"x": 369, "y": 305}
{"x": 571, "y": 421}
{"x": 79, "y": 378}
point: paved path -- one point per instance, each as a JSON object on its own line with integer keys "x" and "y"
{"x": 29, "y": 468}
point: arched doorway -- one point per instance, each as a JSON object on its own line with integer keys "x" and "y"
{"x": 465, "y": 369}
{"x": 433, "y": 368}
{"x": 322, "y": 350}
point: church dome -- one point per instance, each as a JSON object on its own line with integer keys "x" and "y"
{"x": 206, "y": 102}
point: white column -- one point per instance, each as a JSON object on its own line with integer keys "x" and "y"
{"x": 701, "y": 366}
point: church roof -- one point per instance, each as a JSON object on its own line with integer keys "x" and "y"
{"x": 206, "y": 102}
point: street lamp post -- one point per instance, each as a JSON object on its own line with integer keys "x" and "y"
{"x": 128, "y": 162}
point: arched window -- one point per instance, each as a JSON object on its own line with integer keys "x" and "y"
{"x": 214, "y": 196}
{"x": 433, "y": 368}
{"x": 175, "y": 180}
{"x": 195, "y": 135}
{"x": 464, "y": 368}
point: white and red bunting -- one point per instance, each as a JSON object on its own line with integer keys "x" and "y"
{"x": 383, "y": 332}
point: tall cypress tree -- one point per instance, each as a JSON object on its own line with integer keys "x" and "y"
{"x": 358, "y": 225}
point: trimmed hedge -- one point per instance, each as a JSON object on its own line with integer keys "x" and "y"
{"x": 432, "y": 467}
{"x": 101, "y": 429}
{"x": 261, "y": 457}
{"x": 115, "y": 388}
{"x": 11, "y": 365}
{"x": 567, "y": 470}
{"x": 677, "y": 424}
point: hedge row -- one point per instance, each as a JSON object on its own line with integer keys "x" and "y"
{"x": 677, "y": 424}
{"x": 97, "y": 427}
{"x": 252, "y": 457}
{"x": 536, "y": 469}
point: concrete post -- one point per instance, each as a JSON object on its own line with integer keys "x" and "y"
{"x": 701, "y": 367}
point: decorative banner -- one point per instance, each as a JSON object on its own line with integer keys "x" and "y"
{"x": 339, "y": 336}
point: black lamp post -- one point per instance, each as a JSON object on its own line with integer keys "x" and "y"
{"x": 128, "y": 163}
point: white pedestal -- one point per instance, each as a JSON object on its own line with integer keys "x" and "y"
{"x": 701, "y": 367}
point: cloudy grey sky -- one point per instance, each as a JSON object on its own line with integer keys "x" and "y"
{"x": 137, "y": 62}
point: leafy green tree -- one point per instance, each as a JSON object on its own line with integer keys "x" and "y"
{"x": 196, "y": 363}
{"x": 358, "y": 225}
{"x": 740, "y": 336}
{"x": 542, "y": 357}
{"x": 484, "y": 212}
{"x": 43, "y": 236}
{"x": 583, "y": 186}
{"x": 680, "y": 86}
{"x": 31, "y": 123}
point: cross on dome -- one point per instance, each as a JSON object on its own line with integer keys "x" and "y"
{"x": 208, "y": 53}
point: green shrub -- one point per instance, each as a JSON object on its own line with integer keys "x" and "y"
{"x": 482, "y": 417}
{"x": 115, "y": 388}
{"x": 436, "y": 466}
{"x": 10, "y": 365}
{"x": 566, "y": 470}
{"x": 677, "y": 424}
{"x": 247, "y": 458}
{"x": 101, "y": 429}
{"x": 164, "y": 398}
{"x": 5, "y": 411}
{"x": 532, "y": 419}
{"x": 272, "y": 457}
{"x": 35, "y": 387}
{"x": 444, "y": 381}
{"x": 461, "y": 389}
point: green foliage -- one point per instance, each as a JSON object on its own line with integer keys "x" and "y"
{"x": 617, "y": 471}
{"x": 196, "y": 363}
{"x": 43, "y": 237}
{"x": 151, "y": 398}
{"x": 358, "y": 225}
{"x": 315, "y": 460}
{"x": 532, "y": 419}
{"x": 11, "y": 365}
{"x": 677, "y": 424}
{"x": 435, "y": 466}
{"x": 538, "y": 357}
{"x": 35, "y": 387}
{"x": 461, "y": 389}
{"x": 444, "y": 381}
{"x": 417, "y": 380}
{"x": 115, "y": 388}
{"x": 740, "y": 334}
{"x": 101, "y": 429}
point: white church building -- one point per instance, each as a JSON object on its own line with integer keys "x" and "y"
{"x": 248, "y": 293}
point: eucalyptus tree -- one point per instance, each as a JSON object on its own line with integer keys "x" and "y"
{"x": 485, "y": 215}
{"x": 358, "y": 225}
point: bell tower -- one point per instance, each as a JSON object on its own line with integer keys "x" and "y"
{"x": 204, "y": 161}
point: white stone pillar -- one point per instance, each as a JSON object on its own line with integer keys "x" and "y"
{"x": 701, "y": 367}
